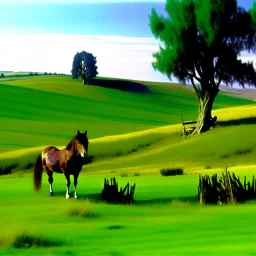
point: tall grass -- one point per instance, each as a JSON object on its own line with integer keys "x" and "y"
{"x": 129, "y": 133}
{"x": 164, "y": 212}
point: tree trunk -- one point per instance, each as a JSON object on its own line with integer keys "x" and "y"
{"x": 89, "y": 79}
{"x": 204, "y": 120}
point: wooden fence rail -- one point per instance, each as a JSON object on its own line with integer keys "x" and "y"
{"x": 228, "y": 189}
{"x": 110, "y": 192}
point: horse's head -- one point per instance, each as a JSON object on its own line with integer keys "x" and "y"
{"x": 82, "y": 143}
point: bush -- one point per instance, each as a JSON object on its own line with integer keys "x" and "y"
{"x": 27, "y": 241}
{"x": 171, "y": 172}
{"x": 7, "y": 169}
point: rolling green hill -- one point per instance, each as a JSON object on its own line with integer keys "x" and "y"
{"x": 130, "y": 131}
{"x": 49, "y": 110}
{"x": 134, "y": 130}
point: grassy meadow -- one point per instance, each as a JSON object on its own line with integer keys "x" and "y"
{"x": 134, "y": 129}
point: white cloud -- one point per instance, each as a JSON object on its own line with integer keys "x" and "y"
{"x": 245, "y": 57}
{"x": 117, "y": 56}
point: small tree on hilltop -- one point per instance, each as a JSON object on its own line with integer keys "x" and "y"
{"x": 2, "y": 75}
{"x": 201, "y": 42}
{"x": 84, "y": 66}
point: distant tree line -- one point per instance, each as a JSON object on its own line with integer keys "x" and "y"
{"x": 2, "y": 75}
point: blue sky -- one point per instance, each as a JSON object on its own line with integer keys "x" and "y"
{"x": 51, "y": 32}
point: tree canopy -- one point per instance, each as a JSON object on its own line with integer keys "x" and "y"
{"x": 201, "y": 42}
{"x": 84, "y": 66}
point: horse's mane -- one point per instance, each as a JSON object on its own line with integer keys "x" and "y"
{"x": 71, "y": 144}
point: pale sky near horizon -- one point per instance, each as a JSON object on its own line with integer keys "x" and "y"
{"x": 44, "y": 37}
{"x": 76, "y": 1}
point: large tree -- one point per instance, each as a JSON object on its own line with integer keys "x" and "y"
{"x": 253, "y": 14}
{"x": 201, "y": 41}
{"x": 84, "y": 66}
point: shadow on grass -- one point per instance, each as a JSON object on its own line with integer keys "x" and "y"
{"x": 120, "y": 84}
{"x": 246, "y": 120}
{"x": 91, "y": 197}
{"x": 189, "y": 199}
{"x": 97, "y": 199}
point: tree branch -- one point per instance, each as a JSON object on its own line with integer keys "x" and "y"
{"x": 193, "y": 83}
{"x": 198, "y": 69}
{"x": 219, "y": 81}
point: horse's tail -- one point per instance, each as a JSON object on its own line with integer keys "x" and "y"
{"x": 38, "y": 170}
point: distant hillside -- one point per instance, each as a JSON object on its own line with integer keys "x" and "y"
{"x": 50, "y": 109}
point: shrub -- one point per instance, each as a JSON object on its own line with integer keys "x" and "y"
{"x": 243, "y": 151}
{"x": 27, "y": 166}
{"x": 116, "y": 227}
{"x": 171, "y": 171}
{"x": 124, "y": 174}
{"x": 27, "y": 241}
{"x": 136, "y": 174}
{"x": 7, "y": 169}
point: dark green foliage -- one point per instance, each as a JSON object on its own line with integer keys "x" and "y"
{"x": 2, "y": 75}
{"x": 28, "y": 166}
{"x": 253, "y": 14}
{"x": 171, "y": 171}
{"x": 84, "y": 66}
{"x": 201, "y": 43}
{"x": 116, "y": 227}
{"x": 26, "y": 241}
{"x": 243, "y": 151}
{"x": 224, "y": 156}
{"x": 7, "y": 169}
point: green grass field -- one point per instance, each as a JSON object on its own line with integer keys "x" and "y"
{"x": 133, "y": 134}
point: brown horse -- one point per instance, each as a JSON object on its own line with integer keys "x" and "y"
{"x": 68, "y": 161}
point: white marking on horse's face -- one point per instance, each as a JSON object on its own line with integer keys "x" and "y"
{"x": 83, "y": 153}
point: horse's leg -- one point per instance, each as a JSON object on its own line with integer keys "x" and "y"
{"x": 50, "y": 180}
{"x": 75, "y": 184}
{"x": 68, "y": 184}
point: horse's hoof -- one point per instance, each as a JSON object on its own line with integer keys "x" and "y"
{"x": 76, "y": 197}
{"x": 51, "y": 193}
{"x": 67, "y": 196}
